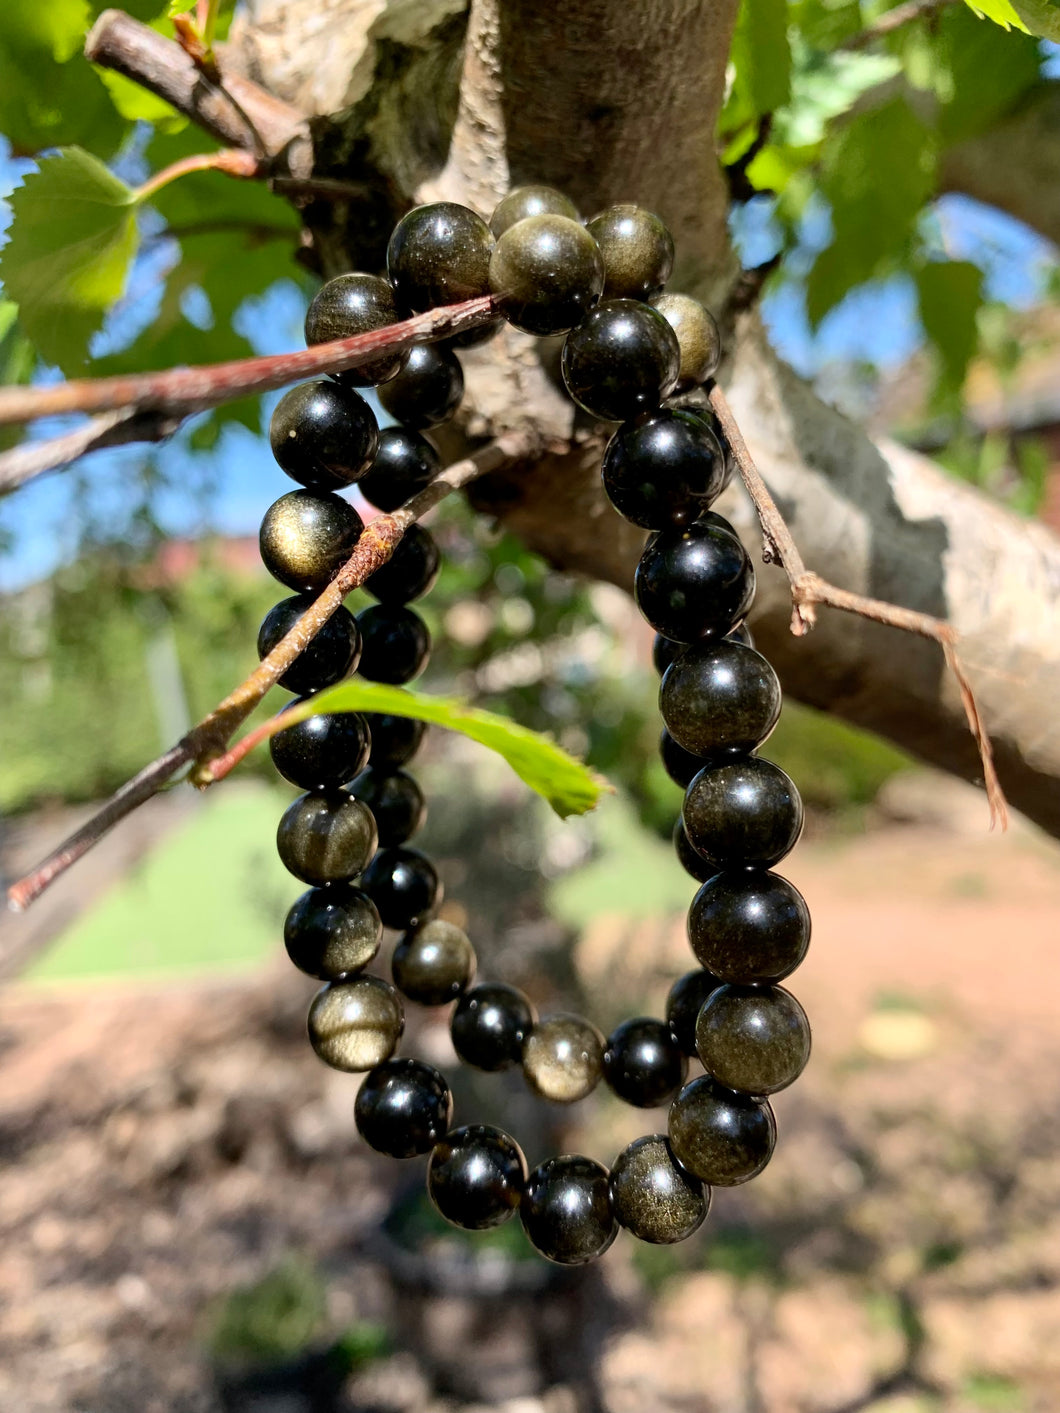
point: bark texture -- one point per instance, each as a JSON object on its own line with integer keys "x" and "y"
{"x": 617, "y": 100}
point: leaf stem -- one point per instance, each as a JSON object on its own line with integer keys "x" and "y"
{"x": 231, "y": 160}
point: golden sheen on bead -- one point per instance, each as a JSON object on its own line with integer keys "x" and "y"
{"x": 637, "y": 248}
{"x": 525, "y": 201}
{"x": 306, "y": 538}
{"x": 546, "y": 273}
{"x": 697, "y": 336}
{"x": 326, "y": 836}
{"x": 355, "y": 1025}
{"x": 563, "y": 1058}
{"x": 652, "y": 1195}
{"x": 434, "y": 964}
{"x": 355, "y": 304}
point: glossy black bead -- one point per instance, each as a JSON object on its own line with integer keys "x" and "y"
{"x": 720, "y": 699}
{"x": 323, "y": 435}
{"x": 403, "y": 1108}
{"x": 711, "y": 517}
{"x": 410, "y": 571}
{"x": 637, "y": 248}
{"x": 395, "y": 643}
{"x": 749, "y": 926}
{"x": 330, "y": 932}
{"x": 663, "y": 470}
{"x": 652, "y": 1195}
{"x": 332, "y": 653}
{"x": 355, "y": 1024}
{"x": 355, "y": 304}
{"x": 305, "y": 539}
{"x": 404, "y": 463}
{"x": 396, "y": 801}
{"x": 744, "y": 814}
{"x": 395, "y": 739}
{"x": 643, "y": 1063}
{"x": 563, "y": 1058}
{"x": 684, "y": 1004}
{"x": 697, "y": 334}
{"x": 680, "y": 765}
{"x": 622, "y": 360}
{"x": 476, "y": 1177}
{"x": 566, "y": 1210}
{"x": 323, "y": 751}
{"x": 664, "y": 651}
{"x": 694, "y": 583}
{"x": 755, "y": 1039}
{"x": 546, "y": 273}
{"x": 434, "y": 963}
{"x": 721, "y": 1137}
{"x": 428, "y": 389}
{"x": 524, "y": 201}
{"x": 490, "y": 1024}
{"x": 439, "y": 254}
{"x": 326, "y": 837}
{"x": 404, "y": 885}
{"x": 695, "y": 865}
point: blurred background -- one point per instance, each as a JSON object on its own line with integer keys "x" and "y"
{"x": 189, "y": 1220}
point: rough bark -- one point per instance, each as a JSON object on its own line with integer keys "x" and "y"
{"x": 616, "y": 100}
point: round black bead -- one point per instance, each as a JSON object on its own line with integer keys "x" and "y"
{"x": 396, "y": 801}
{"x": 404, "y": 463}
{"x": 652, "y": 1195}
{"x": 410, "y": 571}
{"x": 524, "y": 201}
{"x": 356, "y": 1023}
{"x": 332, "y": 653}
{"x": 680, "y": 765}
{"x": 323, "y": 751}
{"x": 306, "y": 538}
{"x": 489, "y": 1024}
{"x": 355, "y": 304}
{"x": 428, "y": 389}
{"x": 403, "y": 884}
{"x": 684, "y": 1004}
{"x": 720, "y": 699}
{"x": 721, "y": 1137}
{"x": 697, "y": 335}
{"x": 434, "y": 963}
{"x": 749, "y": 926}
{"x": 637, "y": 248}
{"x": 643, "y": 1063}
{"x": 395, "y": 643}
{"x": 744, "y": 814}
{"x": 403, "y": 1108}
{"x": 476, "y": 1177}
{"x": 621, "y": 360}
{"x": 694, "y": 583}
{"x": 395, "y": 739}
{"x": 695, "y": 865}
{"x": 663, "y": 469}
{"x": 664, "y": 651}
{"x": 566, "y": 1210}
{"x": 323, "y": 435}
{"x": 439, "y": 254}
{"x": 332, "y": 931}
{"x": 755, "y": 1039}
{"x": 546, "y": 274}
{"x": 326, "y": 837}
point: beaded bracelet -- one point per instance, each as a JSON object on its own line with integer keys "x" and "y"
{"x": 629, "y": 349}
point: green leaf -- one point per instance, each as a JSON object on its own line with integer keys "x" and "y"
{"x": 761, "y": 59}
{"x": 877, "y": 172}
{"x": 1002, "y": 12}
{"x": 57, "y": 26}
{"x": 1040, "y": 17}
{"x": 950, "y": 294}
{"x": 71, "y": 243}
{"x": 17, "y": 362}
{"x": 569, "y": 786}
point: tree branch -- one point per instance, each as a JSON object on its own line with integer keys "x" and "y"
{"x": 894, "y": 19}
{"x": 23, "y": 463}
{"x": 204, "y": 747}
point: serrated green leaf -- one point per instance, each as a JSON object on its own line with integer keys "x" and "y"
{"x": 761, "y": 59}
{"x": 877, "y": 172}
{"x": 950, "y": 293}
{"x": 568, "y": 785}
{"x": 72, "y": 239}
{"x": 1002, "y": 12}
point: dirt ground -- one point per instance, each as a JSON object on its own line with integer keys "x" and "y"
{"x": 160, "y": 1147}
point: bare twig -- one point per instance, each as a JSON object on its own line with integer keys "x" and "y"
{"x": 809, "y": 589}
{"x": 23, "y": 463}
{"x": 181, "y": 391}
{"x": 204, "y": 748}
{"x": 894, "y": 19}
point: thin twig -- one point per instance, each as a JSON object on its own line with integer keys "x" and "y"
{"x": 233, "y": 161}
{"x": 23, "y": 463}
{"x": 809, "y": 589}
{"x": 181, "y": 391}
{"x": 204, "y": 748}
{"x": 894, "y": 19}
